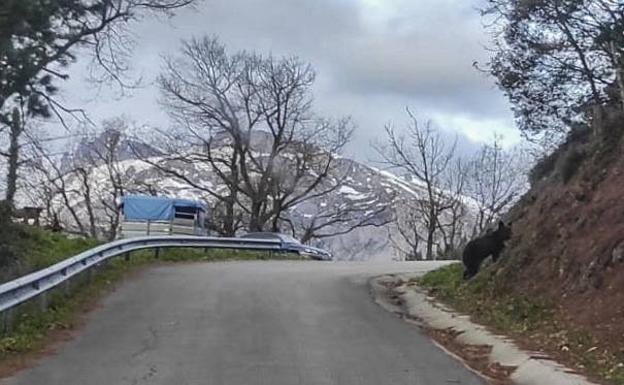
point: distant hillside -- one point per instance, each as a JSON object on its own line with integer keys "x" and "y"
{"x": 127, "y": 148}
{"x": 365, "y": 187}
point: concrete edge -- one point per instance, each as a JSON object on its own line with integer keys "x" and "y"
{"x": 532, "y": 368}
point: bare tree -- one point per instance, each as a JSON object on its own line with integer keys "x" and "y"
{"x": 104, "y": 155}
{"x": 325, "y": 217}
{"x": 182, "y": 152}
{"x": 46, "y": 169}
{"x": 251, "y": 117}
{"x": 83, "y": 189}
{"x": 339, "y": 221}
{"x": 303, "y": 170}
{"x": 452, "y": 223}
{"x": 85, "y": 185}
{"x": 495, "y": 179}
{"x": 423, "y": 154}
{"x": 40, "y": 39}
{"x": 206, "y": 92}
{"x": 409, "y": 230}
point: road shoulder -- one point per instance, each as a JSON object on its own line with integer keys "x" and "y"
{"x": 493, "y": 356}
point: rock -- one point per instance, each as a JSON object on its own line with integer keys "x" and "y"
{"x": 591, "y": 277}
{"x": 617, "y": 255}
{"x": 580, "y": 196}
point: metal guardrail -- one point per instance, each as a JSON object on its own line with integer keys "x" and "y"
{"x": 29, "y": 286}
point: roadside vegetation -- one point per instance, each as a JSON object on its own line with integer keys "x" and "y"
{"x": 533, "y": 322}
{"x": 31, "y": 248}
{"x": 31, "y": 328}
{"x": 481, "y": 298}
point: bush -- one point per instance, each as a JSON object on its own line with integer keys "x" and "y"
{"x": 8, "y": 232}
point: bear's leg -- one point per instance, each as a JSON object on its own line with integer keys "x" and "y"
{"x": 470, "y": 271}
{"x": 467, "y": 267}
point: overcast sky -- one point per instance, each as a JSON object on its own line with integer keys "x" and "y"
{"x": 373, "y": 58}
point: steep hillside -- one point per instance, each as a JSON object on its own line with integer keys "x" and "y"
{"x": 567, "y": 251}
{"x": 568, "y": 244}
{"x": 559, "y": 287}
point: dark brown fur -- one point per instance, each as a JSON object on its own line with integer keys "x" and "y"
{"x": 477, "y": 250}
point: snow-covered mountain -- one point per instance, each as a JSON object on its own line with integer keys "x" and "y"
{"x": 95, "y": 148}
{"x": 373, "y": 192}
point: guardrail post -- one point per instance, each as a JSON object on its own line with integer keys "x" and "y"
{"x": 127, "y": 256}
{"x": 43, "y": 301}
{"x": 157, "y": 252}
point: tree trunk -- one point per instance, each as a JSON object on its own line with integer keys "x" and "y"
{"x": 88, "y": 203}
{"x": 619, "y": 71}
{"x": 275, "y": 223}
{"x": 254, "y": 220}
{"x": 114, "y": 225}
{"x": 429, "y": 255}
{"x": 228, "y": 222}
{"x": 430, "y": 235}
{"x": 15, "y": 133}
{"x": 307, "y": 235}
{"x": 415, "y": 254}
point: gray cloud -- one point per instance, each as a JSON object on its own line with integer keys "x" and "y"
{"x": 373, "y": 57}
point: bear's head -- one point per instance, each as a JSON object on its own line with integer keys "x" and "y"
{"x": 503, "y": 232}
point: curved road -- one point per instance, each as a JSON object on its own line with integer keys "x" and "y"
{"x": 248, "y": 323}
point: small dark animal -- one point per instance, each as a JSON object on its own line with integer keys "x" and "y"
{"x": 480, "y": 248}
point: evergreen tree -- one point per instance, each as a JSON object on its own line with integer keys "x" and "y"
{"x": 555, "y": 58}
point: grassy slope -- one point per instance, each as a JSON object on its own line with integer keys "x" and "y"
{"x": 37, "y": 248}
{"x": 479, "y": 297}
{"x": 531, "y": 321}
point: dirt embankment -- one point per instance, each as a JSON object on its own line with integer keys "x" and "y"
{"x": 568, "y": 242}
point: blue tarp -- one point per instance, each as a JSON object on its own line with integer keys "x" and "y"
{"x": 146, "y": 207}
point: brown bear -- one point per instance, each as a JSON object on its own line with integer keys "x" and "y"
{"x": 480, "y": 248}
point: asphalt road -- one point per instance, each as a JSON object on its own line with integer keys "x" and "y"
{"x": 247, "y": 323}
